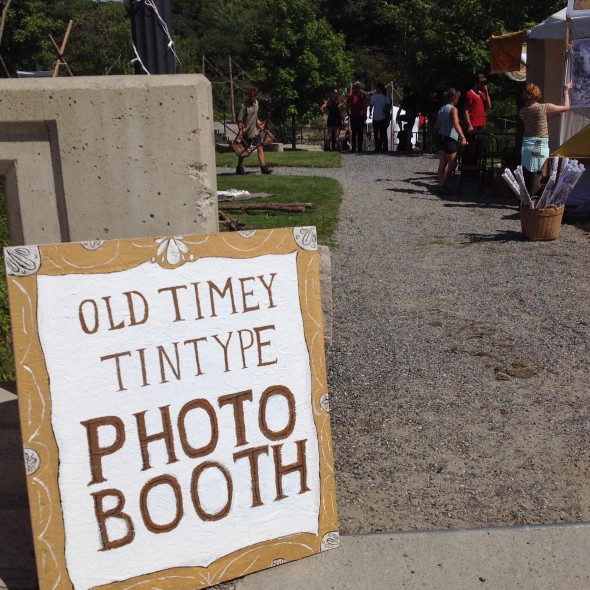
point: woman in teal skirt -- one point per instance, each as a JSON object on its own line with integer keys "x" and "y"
{"x": 535, "y": 143}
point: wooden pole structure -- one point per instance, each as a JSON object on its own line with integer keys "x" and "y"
{"x": 61, "y": 61}
{"x": 4, "y": 67}
{"x": 567, "y": 59}
{"x": 231, "y": 92}
{"x": 3, "y": 18}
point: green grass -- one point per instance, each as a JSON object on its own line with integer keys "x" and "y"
{"x": 6, "y": 354}
{"x": 299, "y": 158}
{"x": 325, "y": 193}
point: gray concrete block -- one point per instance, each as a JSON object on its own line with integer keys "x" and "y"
{"x": 104, "y": 157}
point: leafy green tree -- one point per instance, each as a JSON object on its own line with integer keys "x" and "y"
{"x": 98, "y": 44}
{"x": 26, "y": 44}
{"x": 298, "y": 59}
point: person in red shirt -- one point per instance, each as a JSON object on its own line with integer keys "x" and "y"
{"x": 477, "y": 100}
{"x": 357, "y": 110}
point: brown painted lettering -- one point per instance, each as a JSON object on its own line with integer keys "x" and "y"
{"x": 143, "y": 502}
{"x": 252, "y": 455}
{"x": 133, "y": 317}
{"x": 117, "y": 356}
{"x": 196, "y": 404}
{"x": 228, "y": 288}
{"x": 166, "y": 435}
{"x": 121, "y": 324}
{"x": 116, "y": 512}
{"x": 246, "y": 294}
{"x": 162, "y": 354}
{"x": 95, "y": 451}
{"x": 82, "y": 317}
{"x": 203, "y": 515}
{"x": 281, "y": 470}
{"x": 141, "y": 352}
{"x": 244, "y": 347}
{"x": 269, "y": 288}
{"x": 225, "y": 347}
{"x": 173, "y": 291}
{"x": 195, "y": 343}
{"x": 260, "y": 344}
{"x": 237, "y": 401}
{"x": 267, "y": 394}
{"x": 197, "y": 301}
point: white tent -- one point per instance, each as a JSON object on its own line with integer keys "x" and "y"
{"x": 547, "y": 67}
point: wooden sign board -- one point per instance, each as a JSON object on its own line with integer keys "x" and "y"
{"x": 174, "y": 407}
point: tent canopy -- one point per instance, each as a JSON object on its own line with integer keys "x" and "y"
{"x": 577, "y": 146}
{"x": 554, "y": 27}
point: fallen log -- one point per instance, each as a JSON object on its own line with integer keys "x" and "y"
{"x": 231, "y": 224}
{"x": 288, "y": 207}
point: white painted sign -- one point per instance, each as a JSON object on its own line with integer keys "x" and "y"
{"x": 181, "y": 400}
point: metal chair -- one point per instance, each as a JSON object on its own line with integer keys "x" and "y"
{"x": 476, "y": 160}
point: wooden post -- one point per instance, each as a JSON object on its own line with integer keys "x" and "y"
{"x": 3, "y": 18}
{"x": 231, "y": 92}
{"x": 60, "y": 51}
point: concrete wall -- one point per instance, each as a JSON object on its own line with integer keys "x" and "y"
{"x": 88, "y": 158}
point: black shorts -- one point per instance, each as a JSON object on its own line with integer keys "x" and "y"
{"x": 447, "y": 144}
{"x": 250, "y": 143}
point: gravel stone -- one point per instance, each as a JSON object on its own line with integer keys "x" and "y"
{"x": 459, "y": 366}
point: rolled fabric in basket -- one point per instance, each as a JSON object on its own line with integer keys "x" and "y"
{"x": 525, "y": 197}
{"x": 567, "y": 181}
{"x": 546, "y": 195}
{"x": 511, "y": 182}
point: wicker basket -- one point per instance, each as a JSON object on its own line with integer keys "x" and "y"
{"x": 541, "y": 224}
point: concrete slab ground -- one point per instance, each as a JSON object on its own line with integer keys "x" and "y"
{"x": 505, "y": 558}
{"x": 533, "y": 558}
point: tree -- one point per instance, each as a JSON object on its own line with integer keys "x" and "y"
{"x": 298, "y": 58}
{"x": 99, "y": 42}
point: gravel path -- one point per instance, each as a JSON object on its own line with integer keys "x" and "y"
{"x": 459, "y": 367}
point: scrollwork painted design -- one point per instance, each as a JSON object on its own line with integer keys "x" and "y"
{"x": 22, "y": 261}
{"x": 172, "y": 251}
{"x": 306, "y": 237}
{"x": 93, "y": 245}
{"x": 32, "y": 461}
{"x": 330, "y": 541}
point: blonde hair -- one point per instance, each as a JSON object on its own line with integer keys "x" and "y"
{"x": 451, "y": 94}
{"x": 531, "y": 92}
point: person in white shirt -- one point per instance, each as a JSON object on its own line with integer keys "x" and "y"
{"x": 380, "y": 111}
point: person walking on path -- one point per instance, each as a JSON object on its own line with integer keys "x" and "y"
{"x": 477, "y": 100}
{"x": 248, "y": 125}
{"x": 449, "y": 132}
{"x": 535, "y": 143}
{"x": 380, "y": 111}
{"x": 355, "y": 102}
{"x": 335, "y": 117}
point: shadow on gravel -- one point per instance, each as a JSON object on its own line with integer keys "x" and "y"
{"x": 503, "y": 236}
{"x": 418, "y": 183}
{"x": 408, "y": 191}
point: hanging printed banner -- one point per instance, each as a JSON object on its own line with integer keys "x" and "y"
{"x": 580, "y": 73}
{"x": 174, "y": 407}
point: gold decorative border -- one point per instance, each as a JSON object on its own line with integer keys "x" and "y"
{"x": 41, "y": 452}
